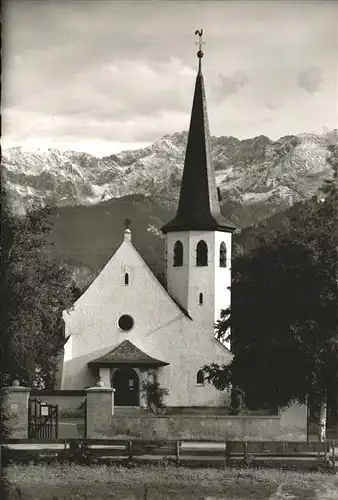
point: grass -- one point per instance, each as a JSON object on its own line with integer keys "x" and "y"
{"x": 58, "y": 482}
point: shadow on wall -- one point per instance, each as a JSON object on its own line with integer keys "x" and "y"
{"x": 76, "y": 374}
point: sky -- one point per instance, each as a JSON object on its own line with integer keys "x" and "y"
{"x": 103, "y": 76}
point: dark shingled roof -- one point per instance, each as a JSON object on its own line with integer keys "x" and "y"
{"x": 198, "y": 207}
{"x": 127, "y": 353}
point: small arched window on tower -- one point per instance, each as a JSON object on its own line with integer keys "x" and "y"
{"x": 200, "y": 299}
{"x": 126, "y": 279}
{"x": 178, "y": 254}
{"x": 223, "y": 255}
{"x": 200, "y": 377}
{"x": 202, "y": 254}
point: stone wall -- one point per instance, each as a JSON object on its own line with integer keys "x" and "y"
{"x": 290, "y": 425}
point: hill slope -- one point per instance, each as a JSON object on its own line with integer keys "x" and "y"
{"x": 85, "y": 237}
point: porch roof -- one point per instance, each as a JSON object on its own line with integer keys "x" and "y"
{"x": 127, "y": 353}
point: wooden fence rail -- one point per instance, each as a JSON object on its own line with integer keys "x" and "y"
{"x": 180, "y": 449}
{"x": 259, "y": 445}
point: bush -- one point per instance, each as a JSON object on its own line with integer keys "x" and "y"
{"x": 154, "y": 396}
{"x": 4, "y": 418}
{"x": 237, "y": 401}
{"x": 79, "y": 453}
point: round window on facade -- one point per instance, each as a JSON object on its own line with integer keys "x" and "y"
{"x": 126, "y": 322}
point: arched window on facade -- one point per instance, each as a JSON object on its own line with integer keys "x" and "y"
{"x": 126, "y": 279}
{"x": 200, "y": 299}
{"x": 223, "y": 255}
{"x": 178, "y": 254}
{"x": 202, "y": 254}
{"x": 200, "y": 377}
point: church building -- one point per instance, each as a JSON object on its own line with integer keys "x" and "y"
{"x": 127, "y": 328}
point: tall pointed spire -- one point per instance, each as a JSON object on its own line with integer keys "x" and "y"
{"x": 198, "y": 207}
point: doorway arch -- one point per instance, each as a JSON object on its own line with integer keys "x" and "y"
{"x": 126, "y": 383}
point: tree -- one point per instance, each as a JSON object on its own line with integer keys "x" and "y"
{"x": 283, "y": 318}
{"x": 34, "y": 292}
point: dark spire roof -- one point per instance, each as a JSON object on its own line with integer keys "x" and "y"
{"x": 127, "y": 353}
{"x": 198, "y": 207}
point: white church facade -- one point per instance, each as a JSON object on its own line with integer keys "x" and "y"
{"x": 127, "y": 328}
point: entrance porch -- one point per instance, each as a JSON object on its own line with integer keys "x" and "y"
{"x": 125, "y": 368}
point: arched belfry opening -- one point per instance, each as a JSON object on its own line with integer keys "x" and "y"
{"x": 223, "y": 255}
{"x": 202, "y": 254}
{"x": 178, "y": 254}
{"x": 200, "y": 298}
{"x": 126, "y": 279}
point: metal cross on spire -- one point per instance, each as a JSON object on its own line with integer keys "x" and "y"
{"x": 199, "y": 43}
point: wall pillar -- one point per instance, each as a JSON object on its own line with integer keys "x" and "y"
{"x": 100, "y": 410}
{"x": 15, "y": 405}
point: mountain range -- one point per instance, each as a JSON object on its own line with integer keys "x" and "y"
{"x": 257, "y": 178}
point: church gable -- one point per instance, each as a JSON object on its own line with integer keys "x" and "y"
{"x": 126, "y": 268}
{"x": 125, "y": 300}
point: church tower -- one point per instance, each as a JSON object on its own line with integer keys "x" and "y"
{"x": 198, "y": 239}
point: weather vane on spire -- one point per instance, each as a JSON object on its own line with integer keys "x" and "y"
{"x": 199, "y": 43}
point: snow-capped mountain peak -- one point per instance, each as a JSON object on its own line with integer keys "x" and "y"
{"x": 250, "y": 171}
